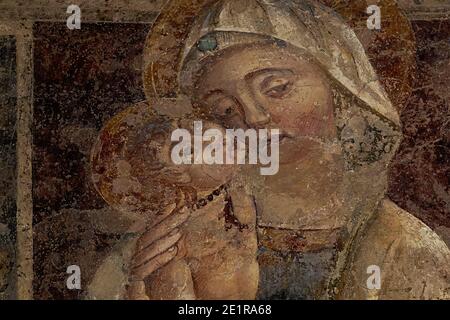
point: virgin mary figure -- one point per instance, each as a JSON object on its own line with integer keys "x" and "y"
{"x": 325, "y": 229}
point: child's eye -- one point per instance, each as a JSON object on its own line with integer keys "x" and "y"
{"x": 226, "y": 107}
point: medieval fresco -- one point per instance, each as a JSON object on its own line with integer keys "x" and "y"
{"x": 228, "y": 149}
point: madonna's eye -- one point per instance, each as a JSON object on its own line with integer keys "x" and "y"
{"x": 277, "y": 87}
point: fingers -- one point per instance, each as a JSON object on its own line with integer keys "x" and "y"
{"x": 162, "y": 229}
{"x": 170, "y": 209}
{"x": 136, "y": 291}
{"x": 154, "y": 264}
{"x": 157, "y": 247}
{"x": 166, "y": 212}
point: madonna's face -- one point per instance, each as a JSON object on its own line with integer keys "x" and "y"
{"x": 265, "y": 86}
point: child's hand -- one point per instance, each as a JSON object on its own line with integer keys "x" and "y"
{"x": 136, "y": 291}
{"x": 157, "y": 246}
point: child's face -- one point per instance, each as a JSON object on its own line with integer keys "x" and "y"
{"x": 202, "y": 177}
{"x": 207, "y": 177}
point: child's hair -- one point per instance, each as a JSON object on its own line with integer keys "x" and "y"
{"x": 126, "y": 163}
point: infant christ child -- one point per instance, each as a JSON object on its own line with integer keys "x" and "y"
{"x": 216, "y": 255}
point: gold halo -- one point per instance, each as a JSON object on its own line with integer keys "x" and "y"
{"x": 391, "y": 50}
{"x": 164, "y": 45}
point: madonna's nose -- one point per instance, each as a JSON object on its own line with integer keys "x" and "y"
{"x": 255, "y": 115}
{"x": 256, "y": 118}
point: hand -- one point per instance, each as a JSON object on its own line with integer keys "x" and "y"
{"x": 154, "y": 249}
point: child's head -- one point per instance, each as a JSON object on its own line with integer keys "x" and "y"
{"x": 205, "y": 177}
{"x": 132, "y": 167}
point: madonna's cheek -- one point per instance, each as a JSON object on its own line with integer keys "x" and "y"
{"x": 310, "y": 126}
{"x": 305, "y": 119}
